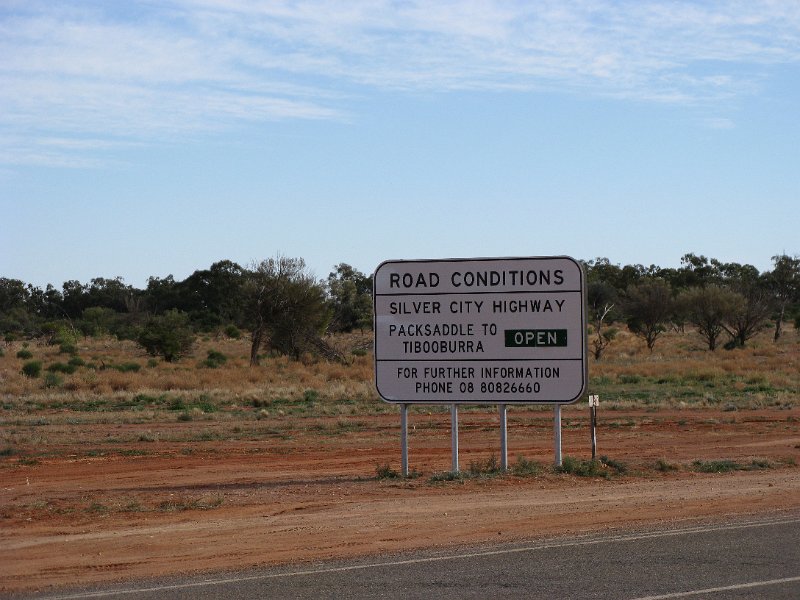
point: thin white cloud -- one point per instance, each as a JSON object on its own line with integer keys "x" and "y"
{"x": 150, "y": 69}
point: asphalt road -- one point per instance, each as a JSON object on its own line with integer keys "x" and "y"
{"x": 753, "y": 558}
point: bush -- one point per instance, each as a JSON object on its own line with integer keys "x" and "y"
{"x": 67, "y": 348}
{"x": 582, "y": 468}
{"x": 61, "y": 368}
{"x": 32, "y": 369}
{"x": 61, "y": 335}
{"x": 665, "y": 467}
{"x": 489, "y": 467}
{"x": 716, "y": 466}
{"x": 128, "y": 367}
{"x": 526, "y": 467}
{"x": 233, "y": 332}
{"x": 384, "y": 471}
{"x": 24, "y": 354}
{"x": 168, "y": 335}
{"x": 53, "y": 380}
{"x": 215, "y": 359}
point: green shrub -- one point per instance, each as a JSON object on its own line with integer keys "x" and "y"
{"x": 215, "y": 359}
{"x": 32, "y": 369}
{"x": 233, "y": 332}
{"x": 128, "y": 367}
{"x": 489, "y": 467}
{"x": 620, "y": 467}
{"x": 76, "y": 361}
{"x": 168, "y": 335}
{"x": 52, "y": 380}
{"x": 664, "y": 466}
{"x": 67, "y": 348}
{"x": 24, "y": 354}
{"x": 62, "y": 335}
{"x": 177, "y": 404}
{"x": 61, "y": 368}
{"x": 524, "y": 466}
{"x": 716, "y": 466}
{"x": 384, "y": 471}
{"x": 582, "y": 468}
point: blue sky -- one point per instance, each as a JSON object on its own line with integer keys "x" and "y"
{"x": 156, "y": 137}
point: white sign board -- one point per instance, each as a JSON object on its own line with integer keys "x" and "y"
{"x": 484, "y": 330}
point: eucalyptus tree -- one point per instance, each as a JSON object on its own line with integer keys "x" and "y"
{"x": 601, "y": 298}
{"x": 708, "y": 308}
{"x": 784, "y": 283}
{"x": 350, "y": 295}
{"x": 649, "y": 306}
{"x": 286, "y": 307}
{"x": 752, "y": 315}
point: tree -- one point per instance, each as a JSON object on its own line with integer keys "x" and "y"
{"x": 47, "y": 303}
{"x": 213, "y": 296}
{"x": 649, "y": 306}
{"x": 108, "y": 293}
{"x": 14, "y": 314}
{"x": 601, "y": 298}
{"x": 13, "y": 294}
{"x": 169, "y": 335}
{"x": 696, "y": 271}
{"x": 750, "y": 317}
{"x": 350, "y": 295}
{"x": 707, "y": 308}
{"x": 784, "y": 283}
{"x": 752, "y": 314}
{"x": 162, "y": 294}
{"x": 286, "y": 307}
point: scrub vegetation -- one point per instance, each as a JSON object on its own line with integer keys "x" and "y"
{"x": 106, "y": 368}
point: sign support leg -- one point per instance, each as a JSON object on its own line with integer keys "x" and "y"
{"x": 503, "y": 437}
{"x": 404, "y": 438}
{"x": 557, "y": 433}
{"x": 594, "y": 432}
{"x": 454, "y": 434}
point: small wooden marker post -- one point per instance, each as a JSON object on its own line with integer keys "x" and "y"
{"x": 594, "y": 402}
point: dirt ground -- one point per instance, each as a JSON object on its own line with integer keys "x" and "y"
{"x": 175, "y": 508}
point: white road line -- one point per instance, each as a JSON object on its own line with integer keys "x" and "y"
{"x": 727, "y": 588}
{"x": 632, "y": 537}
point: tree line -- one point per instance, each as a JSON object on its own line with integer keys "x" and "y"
{"x": 285, "y": 309}
{"x": 721, "y": 301}
{"x": 276, "y": 301}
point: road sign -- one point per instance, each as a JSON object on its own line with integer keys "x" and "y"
{"x": 594, "y": 400}
{"x": 483, "y": 330}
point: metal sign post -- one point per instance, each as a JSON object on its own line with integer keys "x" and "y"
{"x": 454, "y": 435}
{"x": 404, "y": 438}
{"x": 557, "y": 433}
{"x": 594, "y": 402}
{"x": 503, "y": 438}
